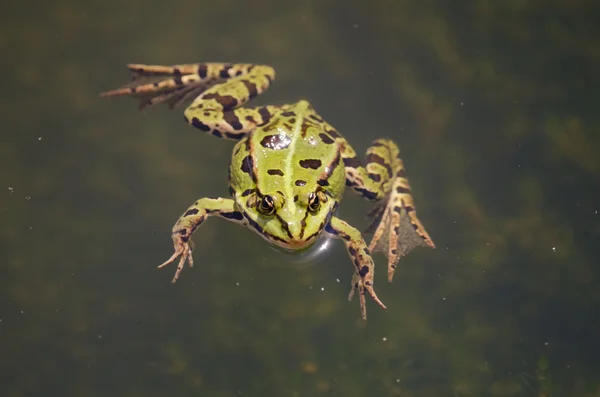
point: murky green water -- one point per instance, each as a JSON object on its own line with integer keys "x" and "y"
{"x": 494, "y": 107}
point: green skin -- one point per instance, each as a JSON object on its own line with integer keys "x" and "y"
{"x": 288, "y": 171}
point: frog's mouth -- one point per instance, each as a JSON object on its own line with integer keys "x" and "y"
{"x": 290, "y": 245}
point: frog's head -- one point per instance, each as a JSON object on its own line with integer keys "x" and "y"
{"x": 293, "y": 222}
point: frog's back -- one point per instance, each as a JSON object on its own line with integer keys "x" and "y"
{"x": 295, "y": 151}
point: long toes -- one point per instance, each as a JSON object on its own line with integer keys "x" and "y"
{"x": 375, "y": 298}
{"x": 351, "y": 294}
{"x": 363, "y": 306}
{"x": 170, "y": 260}
{"x": 391, "y": 271}
{"x": 179, "y": 268}
{"x": 190, "y": 258}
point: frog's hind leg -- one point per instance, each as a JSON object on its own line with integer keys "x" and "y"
{"x": 172, "y": 85}
{"x": 219, "y": 109}
{"x": 397, "y": 229}
{"x": 218, "y": 90}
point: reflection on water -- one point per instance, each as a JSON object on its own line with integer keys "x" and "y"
{"x": 311, "y": 256}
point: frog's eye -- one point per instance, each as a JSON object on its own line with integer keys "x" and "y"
{"x": 266, "y": 205}
{"x": 314, "y": 203}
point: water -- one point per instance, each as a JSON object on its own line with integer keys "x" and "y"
{"x": 493, "y": 107}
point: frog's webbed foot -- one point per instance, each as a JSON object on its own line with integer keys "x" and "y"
{"x": 178, "y": 84}
{"x": 397, "y": 229}
{"x": 172, "y": 85}
{"x": 182, "y": 250}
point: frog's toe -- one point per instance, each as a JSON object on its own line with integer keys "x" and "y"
{"x": 184, "y": 257}
{"x": 351, "y": 294}
{"x": 185, "y": 254}
{"x": 371, "y": 292}
{"x": 363, "y": 288}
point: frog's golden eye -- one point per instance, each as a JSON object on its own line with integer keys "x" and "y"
{"x": 266, "y": 205}
{"x": 314, "y": 203}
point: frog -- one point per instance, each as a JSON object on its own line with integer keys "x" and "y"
{"x": 288, "y": 171}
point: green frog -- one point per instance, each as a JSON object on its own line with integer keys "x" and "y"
{"x": 288, "y": 171}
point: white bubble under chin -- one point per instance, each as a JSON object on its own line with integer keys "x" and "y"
{"x": 311, "y": 255}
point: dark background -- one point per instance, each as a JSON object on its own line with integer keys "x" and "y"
{"x": 494, "y": 106}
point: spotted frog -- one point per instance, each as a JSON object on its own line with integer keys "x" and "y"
{"x": 288, "y": 171}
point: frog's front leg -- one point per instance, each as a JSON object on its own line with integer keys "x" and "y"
{"x": 193, "y": 217}
{"x": 364, "y": 268}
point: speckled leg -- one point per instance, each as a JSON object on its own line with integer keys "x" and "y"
{"x": 397, "y": 229}
{"x": 218, "y": 91}
{"x": 193, "y": 217}
{"x": 362, "y": 280}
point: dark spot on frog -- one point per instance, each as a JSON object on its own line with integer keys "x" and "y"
{"x": 300, "y": 182}
{"x": 225, "y": 71}
{"x": 373, "y": 158}
{"x": 227, "y": 101}
{"x": 326, "y": 138}
{"x": 310, "y": 163}
{"x": 375, "y": 177}
{"x": 202, "y": 70}
{"x": 276, "y": 142}
{"x": 235, "y": 215}
{"x": 248, "y": 165}
{"x": 231, "y": 119}
{"x": 247, "y": 192}
{"x": 193, "y": 211}
{"x": 264, "y": 114}
{"x": 353, "y": 162}
{"x": 200, "y": 125}
{"x": 333, "y": 133}
{"x": 251, "y": 87}
{"x": 363, "y": 271}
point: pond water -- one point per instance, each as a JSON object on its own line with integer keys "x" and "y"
{"x": 493, "y": 106}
